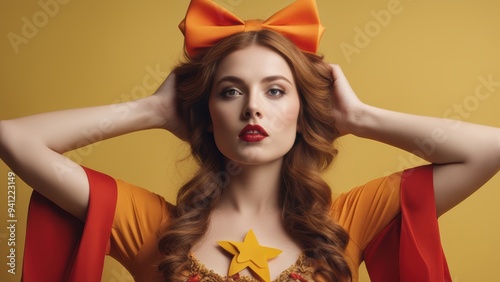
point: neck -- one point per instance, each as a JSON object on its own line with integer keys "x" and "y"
{"x": 254, "y": 189}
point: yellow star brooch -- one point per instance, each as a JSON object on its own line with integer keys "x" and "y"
{"x": 250, "y": 254}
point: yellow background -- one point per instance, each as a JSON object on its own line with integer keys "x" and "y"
{"x": 427, "y": 59}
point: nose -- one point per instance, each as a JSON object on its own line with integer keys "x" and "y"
{"x": 252, "y": 107}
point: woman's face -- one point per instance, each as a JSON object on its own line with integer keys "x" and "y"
{"x": 254, "y": 106}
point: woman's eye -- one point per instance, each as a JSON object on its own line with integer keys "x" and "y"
{"x": 230, "y": 93}
{"x": 276, "y": 92}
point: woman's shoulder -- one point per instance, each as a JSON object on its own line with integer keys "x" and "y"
{"x": 367, "y": 209}
{"x": 364, "y": 210}
{"x": 139, "y": 217}
{"x": 386, "y": 187}
{"x": 141, "y": 203}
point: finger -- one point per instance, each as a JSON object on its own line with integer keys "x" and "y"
{"x": 337, "y": 72}
{"x": 339, "y": 78}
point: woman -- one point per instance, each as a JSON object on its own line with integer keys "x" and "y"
{"x": 256, "y": 105}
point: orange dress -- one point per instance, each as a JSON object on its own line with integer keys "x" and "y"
{"x": 391, "y": 222}
{"x": 363, "y": 212}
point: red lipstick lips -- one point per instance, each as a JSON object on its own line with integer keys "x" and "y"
{"x": 253, "y": 133}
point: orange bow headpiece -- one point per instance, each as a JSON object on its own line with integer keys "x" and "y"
{"x": 206, "y": 23}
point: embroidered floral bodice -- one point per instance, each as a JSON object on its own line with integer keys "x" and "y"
{"x": 300, "y": 271}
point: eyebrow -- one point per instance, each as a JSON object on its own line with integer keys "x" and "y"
{"x": 236, "y": 79}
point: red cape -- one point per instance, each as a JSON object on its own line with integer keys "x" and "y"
{"x": 59, "y": 247}
{"x": 409, "y": 248}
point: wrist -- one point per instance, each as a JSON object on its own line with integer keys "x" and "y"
{"x": 359, "y": 121}
{"x": 153, "y": 113}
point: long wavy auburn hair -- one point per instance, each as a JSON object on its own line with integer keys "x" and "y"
{"x": 304, "y": 195}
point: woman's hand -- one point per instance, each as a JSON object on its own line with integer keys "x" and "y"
{"x": 348, "y": 109}
{"x": 166, "y": 107}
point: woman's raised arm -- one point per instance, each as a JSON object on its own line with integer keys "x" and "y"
{"x": 32, "y": 146}
{"x": 466, "y": 155}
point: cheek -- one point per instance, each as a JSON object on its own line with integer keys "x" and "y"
{"x": 222, "y": 117}
{"x": 285, "y": 117}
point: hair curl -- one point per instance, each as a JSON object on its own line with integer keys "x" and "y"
{"x": 305, "y": 196}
